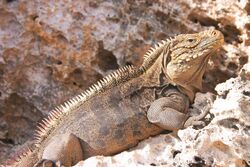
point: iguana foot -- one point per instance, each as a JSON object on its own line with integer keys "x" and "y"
{"x": 48, "y": 163}
{"x": 196, "y": 120}
{"x": 205, "y": 100}
{"x": 61, "y": 150}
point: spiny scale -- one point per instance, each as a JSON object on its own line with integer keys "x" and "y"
{"x": 152, "y": 50}
{"x": 22, "y": 153}
{"x": 153, "y": 53}
{"x": 54, "y": 117}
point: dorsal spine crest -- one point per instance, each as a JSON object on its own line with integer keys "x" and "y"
{"x": 119, "y": 76}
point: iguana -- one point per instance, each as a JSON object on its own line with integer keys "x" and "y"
{"x": 127, "y": 106}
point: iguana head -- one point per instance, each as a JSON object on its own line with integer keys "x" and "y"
{"x": 188, "y": 56}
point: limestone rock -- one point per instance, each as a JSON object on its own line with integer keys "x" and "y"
{"x": 225, "y": 141}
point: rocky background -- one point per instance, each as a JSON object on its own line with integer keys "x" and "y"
{"x": 52, "y": 50}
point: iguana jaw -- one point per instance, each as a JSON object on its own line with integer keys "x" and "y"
{"x": 189, "y": 55}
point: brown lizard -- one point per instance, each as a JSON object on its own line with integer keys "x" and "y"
{"x": 127, "y": 106}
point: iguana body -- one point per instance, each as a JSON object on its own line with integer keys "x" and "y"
{"x": 127, "y": 106}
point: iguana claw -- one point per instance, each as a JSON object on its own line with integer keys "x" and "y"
{"x": 48, "y": 163}
{"x": 196, "y": 120}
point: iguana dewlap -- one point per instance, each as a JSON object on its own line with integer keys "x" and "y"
{"x": 127, "y": 106}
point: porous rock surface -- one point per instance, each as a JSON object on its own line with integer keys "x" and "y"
{"x": 224, "y": 142}
{"x": 52, "y": 50}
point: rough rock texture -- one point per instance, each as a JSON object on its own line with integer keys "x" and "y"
{"x": 50, "y": 50}
{"x": 225, "y": 141}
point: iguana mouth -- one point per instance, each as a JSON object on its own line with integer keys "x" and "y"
{"x": 216, "y": 44}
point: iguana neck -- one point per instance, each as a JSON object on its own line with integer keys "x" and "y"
{"x": 154, "y": 75}
{"x": 153, "y": 67}
{"x": 191, "y": 86}
{"x": 195, "y": 84}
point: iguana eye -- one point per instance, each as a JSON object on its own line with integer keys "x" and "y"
{"x": 191, "y": 40}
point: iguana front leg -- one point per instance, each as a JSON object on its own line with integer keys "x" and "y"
{"x": 64, "y": 149}
{"x": 163, "y": 115}
{"x": 169, "y": 112}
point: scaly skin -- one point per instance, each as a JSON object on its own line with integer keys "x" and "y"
{"x": 128, "y": 106}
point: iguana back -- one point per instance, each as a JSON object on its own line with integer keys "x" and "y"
{"x": 114, "y": 120}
